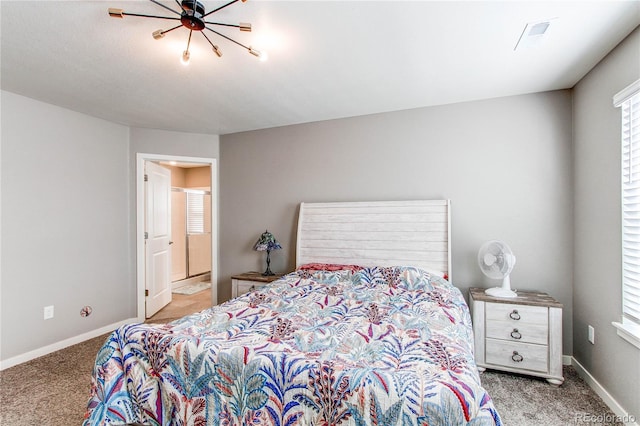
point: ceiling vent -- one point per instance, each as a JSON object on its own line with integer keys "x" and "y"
{"x": 532, "y": 34}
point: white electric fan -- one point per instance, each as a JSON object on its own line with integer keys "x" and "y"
{"x": 496, "y": 261}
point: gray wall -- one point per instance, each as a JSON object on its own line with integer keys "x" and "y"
{"x": 504, "y": 163}
{"x": 65, "y": 224}
{"x": 597, "y": 227}
{"x": 164, "y": 142}
{"x": 68, "y": 219}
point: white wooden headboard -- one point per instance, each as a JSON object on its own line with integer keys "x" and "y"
{"x": 382, "y": 233}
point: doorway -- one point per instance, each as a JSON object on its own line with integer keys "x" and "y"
{"x": 205, "y": 240}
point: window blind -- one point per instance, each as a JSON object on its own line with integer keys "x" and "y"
{"x": 630, "y": 109}
{"x": 195, "y": 213}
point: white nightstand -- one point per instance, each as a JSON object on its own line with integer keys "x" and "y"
{"x": 520, "y": 335}
{"x": 249, "y": 281}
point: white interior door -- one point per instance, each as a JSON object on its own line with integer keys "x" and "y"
{"x": 158, "y": 238}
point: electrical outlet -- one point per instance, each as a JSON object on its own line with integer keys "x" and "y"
{"x": 48, "y": 312}
{"x": 592, "y": 335}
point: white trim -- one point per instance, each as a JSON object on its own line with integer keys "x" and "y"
{"x": 629, "y": 331}
{"x": 617, "y": 409}
{"x": 567, "y": 359}
{"x": 629, "y": 100}
{"x": 626, "y": 93}
{"x": 140, "y": 266}
{"x": 45, "y": 350}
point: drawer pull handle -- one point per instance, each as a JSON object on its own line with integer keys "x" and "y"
{"x": 516, "y": 357}
{"x": 514, "y": 315}
{"x": 515, "y": 334}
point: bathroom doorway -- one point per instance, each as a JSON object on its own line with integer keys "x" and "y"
{"x": 190, "y": 223}
{"x": 193, "y": 237}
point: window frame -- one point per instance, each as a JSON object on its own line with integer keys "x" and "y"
{"x": 629, "y": 97}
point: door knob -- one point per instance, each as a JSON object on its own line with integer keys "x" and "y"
{"x": 170, "y": 242}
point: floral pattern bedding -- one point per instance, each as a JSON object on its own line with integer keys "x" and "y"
{"x": 375, "y": 346}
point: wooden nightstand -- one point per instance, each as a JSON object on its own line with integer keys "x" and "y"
{"x": 249, "y": 281}
{"x": 520, "y": 335}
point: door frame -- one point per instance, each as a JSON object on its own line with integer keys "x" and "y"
{"x": 141, "y": 158}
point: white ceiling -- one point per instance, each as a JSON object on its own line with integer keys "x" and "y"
{"x": 327, "y": 59}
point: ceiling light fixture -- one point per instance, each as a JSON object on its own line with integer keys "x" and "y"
{"x": 192, "y": 17}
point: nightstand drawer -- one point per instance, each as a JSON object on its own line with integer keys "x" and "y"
{"x": 250, "y": 281}
{"x": 518, "y": 314}
{"x": 515, "y": 332}
{"x": 517, "y": 355}
{"x": 247, "y": 286}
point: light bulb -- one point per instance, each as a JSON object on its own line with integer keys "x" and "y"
{"x": 260, "y": 55}
{"x": 157, "y": 34}
{"x": 254, "y": 52}
{"x": 185, "y": 57}
{"x": 216, "y": 50}
{"x": 116, "y": 13}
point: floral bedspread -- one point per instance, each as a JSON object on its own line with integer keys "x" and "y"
{"x": 376, "y": 346}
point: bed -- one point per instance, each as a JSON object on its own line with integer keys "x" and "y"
{"x": 368, "y": 330}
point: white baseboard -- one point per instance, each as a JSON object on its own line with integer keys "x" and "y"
{"x": 617, "y": 409}
{"x": 45, "y": 350}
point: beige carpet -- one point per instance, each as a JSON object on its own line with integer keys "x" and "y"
{"x": 526, "y": 401}
{"x": 53, "y": 391}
